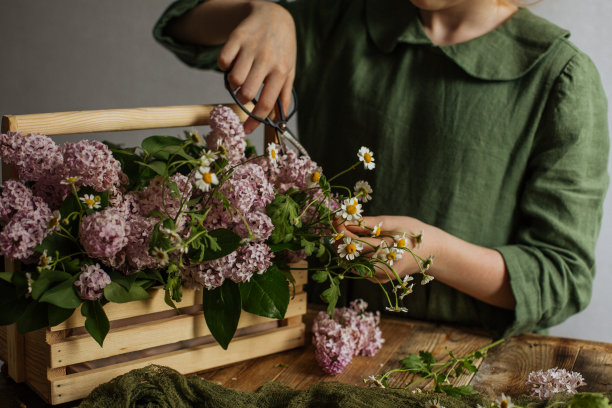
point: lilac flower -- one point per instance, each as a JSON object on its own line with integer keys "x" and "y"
{"x": 227, "y": 134}
{"x": 91, "y": 282}
{"x": 93, "y": 162}
{"x": 352, "y": 331}
{"x": 293, "y": 171}
{"x": 250, "y": 259}
{"x": 104, "y": 233}
{"x": 137, "y": 251}
{"x": 36, "y": 156}
{"x": 544, "y": 384}
{"x": 157, "y": 197}
{"x": 260, "y": 224}
{"x": 15, "y": 198}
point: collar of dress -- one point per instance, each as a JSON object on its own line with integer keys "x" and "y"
{"x": 506, "y": 53}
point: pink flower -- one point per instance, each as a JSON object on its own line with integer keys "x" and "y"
{"x": 91, "y": 282}
{"x": 157, "y": 197}
{"x": 352, "y": 331}
{"x": 103, "y": 234}
{"x": 544, "y": 384}
{"x": 93, "y": 162}
{"x": 227, "y": 134}
{"x": 259, "y": 223}
{"x": 36, "y": 156}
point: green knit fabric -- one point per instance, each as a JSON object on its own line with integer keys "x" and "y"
{"x": 162, "y": 387}
{"x": 501, "y": 141}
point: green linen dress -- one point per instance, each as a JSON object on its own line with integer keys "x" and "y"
{"x": 501, "y": 141}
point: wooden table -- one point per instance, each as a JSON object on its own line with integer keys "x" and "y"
{"x": 504, "y": 369}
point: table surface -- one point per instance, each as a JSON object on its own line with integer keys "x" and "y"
{"x": 504, "y": 369}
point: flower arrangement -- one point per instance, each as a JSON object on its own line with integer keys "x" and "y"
{"x": 94, "y": 223}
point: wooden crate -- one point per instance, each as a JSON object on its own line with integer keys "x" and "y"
{"x": 63, "y": 363}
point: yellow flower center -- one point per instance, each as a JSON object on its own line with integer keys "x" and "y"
{"x": 97, "y": 199}
{"x": 223, "y": 150}
{"x": 316, "y": 176}
{"x": 207, "y": 177}
{"x": 53, "y": 222}
{"x": 391, "y": 256}
{"x": 338, "y": 236}
{"x": 377, "y": 232}
{"x": 367, "y": 157}
{"x": 351, "y": 209}
{"x": 351, "y": 249}
{"x": 503, "y": 404}
{"x": 401, "y": 243}
{"x": 90, "y": 202}
{"x": 71, "y": 179}
{"x": 273, "y": 153}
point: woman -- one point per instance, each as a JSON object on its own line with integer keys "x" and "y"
{"x": 489, "y": 129}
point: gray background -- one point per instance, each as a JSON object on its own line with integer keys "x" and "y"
{"x": 73, "y": 55}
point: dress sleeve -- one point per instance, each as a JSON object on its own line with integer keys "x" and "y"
{"x": 551, "y": 262}
{"x": 314, "y": 21}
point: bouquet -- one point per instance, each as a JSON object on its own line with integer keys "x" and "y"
{"x": 94, "y": 223}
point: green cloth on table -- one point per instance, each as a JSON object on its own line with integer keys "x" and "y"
{"x": 501, "y": 141}
{"x": 162, "y": 387}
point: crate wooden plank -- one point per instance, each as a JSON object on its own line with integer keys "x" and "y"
{"x": 112, "y": 120}
{"x": 79, "y": 385}
{"x": 151, "y": 334}
{"x": 36, "y": 362}
{"x": 3, "y": 343}
{"x": 156, "y": 304}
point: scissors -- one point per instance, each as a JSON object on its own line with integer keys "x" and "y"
{"x": 280, "y": 126}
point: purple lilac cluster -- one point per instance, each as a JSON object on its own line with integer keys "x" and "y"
{"x": 351, "y": 332}
{"x": 227, "y": 134}
{"x": 543, "y": 384}
{"x": 103, "y": 234}
{"x": 24, "y": 218}
{"x": 94, "y": 164}
{"x": 91, "y": 282}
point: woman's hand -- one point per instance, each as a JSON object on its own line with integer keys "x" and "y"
{"x": 261, "y": 50}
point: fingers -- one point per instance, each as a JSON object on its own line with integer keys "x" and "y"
{"x": 286, "y": 92}
{"x": 267, "y": 98}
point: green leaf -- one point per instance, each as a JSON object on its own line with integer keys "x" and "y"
{"x": 283, "y": 211}
{"x": 266, "y": 294}
{"x": 158, "y": 167}
{"x": 308, "y": 246}
{"x": 114, "y": 292}
{"x": 58, "y": 315}
{"x": 12, "y": 304}
{"x": 162, "y": 147}
{"x": 45, "y": 280}
{"x": 589, "y": 400}
{"x": 225, "y": 242}
{"x": 6, "y": 276}
{"x": 320, "y": 276}
{"x": 222, "y": 307}
{"x": 96, "y": 322}
{"x": 321, "y": 251}
{"x": 34, "y": 317}
{"x": 427, "y": 358}
{"x": 62, "y": 295}
{"x": 54, "y": 243}
{"x": 414, "y": 364}
{"x": 168, "y": 299}
{"x": 469, "y": 365}
{"x": 459, "y": 391}
{"x": 330, "y": 296}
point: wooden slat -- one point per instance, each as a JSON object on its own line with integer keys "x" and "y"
{"x": 596, "y": 368}
{"x": 37, "y": 361}
{"x": 3, "y": 343}
{"x": 112, "y": 120}
{"x": 15, "y": 357}
{"x": 151, "y": 334}
{"x": 156, "y": 304}
{"x": 75, "y": 386}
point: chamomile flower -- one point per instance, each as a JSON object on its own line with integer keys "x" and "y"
{"x": 349, "y": 249}
{"x": 426, "y": 279}
{"x": 70, "y": 180}
{"x": 504, "y": 401}
{"x": 390, "y": 255}
{"x": 406, "y": 291}
{"x": 426, "y": 264}
{"x": 397, "y": 309}
{"x": 336, "y": 238}
{"x": 367, "y": 157}
{"x": 404, "y": 282}
{"x": 161, "y": 256}
{"x": 273, "y": 153}
{"x": 91, "y": 201}
{"x": 350, "y": 209}
{"x": 53, "y": 223}
{"x": 174, "y": 236}
{"x": 419, "y": 239}
{"x": 207, "y": 158}
{"x": 205, "y": 178}
{"x": 44, "y": 260}
{"x": 195, "y": 136}
{"x": 374, "y": 381}
{"x": 434, "y": 404}
{"x": 363, "y": 191}
{"x": 401, "y": 241}
{"x": 30, "y": 281}
{"x": 312, "y": 179}
{"x": 377, "y": 230}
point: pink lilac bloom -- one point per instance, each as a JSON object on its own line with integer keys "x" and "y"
{"x": 15, "y": 198}
{"x": 157, "y": 197}
{"x": 543, "y": 384}
{"x": 52, "y": 191}
{"x": 36, "y": 156}
{"x": 293, "y": 171}
{"x": 251, "y": 259}
{"x": 103, "y": 234}
{"x": 91, "y": 282}
{"x": 260, "y": 224}
{"x": 137, "y": 254}
{"x": 227, "y": 131}
{"x": 254, "y": 175}
{"x": 352, "y": 331}
{"x": 203, "y": 274}
{"x": 93, "y": 162}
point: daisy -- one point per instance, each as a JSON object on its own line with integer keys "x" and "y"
{"x": 426, "y": 279}
{"x": 273, "y": 153}
{"x": 91, "y": 201}
{"x": 396, "y": 309}
{"x": 350, "y": 209}
{"x": 161, "y": 256}
{"x": 207, "y": 158}
{"x": 363, "y": 191}
{"x": 312, "y": 180}
{"x": 504, "y": 401}
{"x": 197, "y": 139}
{"x": 406, "y": 291}
{"x": 401, "y": 241}
{"x": 434, "y": 404}
{"x": 349, "y": 249}
{"x": 390, "y": 255}
{"x": 174, "y": 236}
{"x": 374, "y": 381}
{"x": 44, "y": 260}
{"x": 404, "y": 283}
{"x": 336, "y": 238}
{"x": 70, "y": 180}
{"x": 205, "y": 178}
{"x": 367, "y": 157}
{"x": 53, "y": 223}
{"x": 419, "y": 239}
{"x": 376, "y": 230}
{"x": 426, "y": 264}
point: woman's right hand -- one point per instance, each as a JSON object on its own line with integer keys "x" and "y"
{"x": 261, "y": 50}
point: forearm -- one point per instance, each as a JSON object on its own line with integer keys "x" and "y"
{"x": 477, "y": 271}
{"x": 210, "y": 23}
